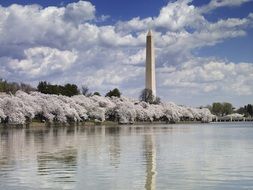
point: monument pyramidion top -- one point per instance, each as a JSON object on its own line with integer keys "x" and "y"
{"x": 150, "y": 33}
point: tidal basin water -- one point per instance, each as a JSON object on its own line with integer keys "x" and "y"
{"x": 190, "y": 156}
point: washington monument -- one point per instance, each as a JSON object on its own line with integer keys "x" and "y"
{"x": 150, "y": 63}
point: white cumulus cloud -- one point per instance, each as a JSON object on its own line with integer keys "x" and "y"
{"x": 42, "y": 61}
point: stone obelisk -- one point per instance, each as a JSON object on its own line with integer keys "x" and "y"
{"x": 150, "y": 63}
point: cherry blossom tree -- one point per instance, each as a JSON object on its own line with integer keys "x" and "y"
{"x": 22, "y": 108}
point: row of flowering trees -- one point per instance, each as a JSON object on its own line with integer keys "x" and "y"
{"x": 22, "y": 108}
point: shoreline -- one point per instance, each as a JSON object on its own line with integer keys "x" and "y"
{"x": 37, "y": 124}
{"x": 92, "y": 123}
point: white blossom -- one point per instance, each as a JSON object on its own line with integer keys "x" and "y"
{"x": 22, "y": 107}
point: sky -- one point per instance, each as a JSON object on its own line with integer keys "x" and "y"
{"x": 204, "y": 49}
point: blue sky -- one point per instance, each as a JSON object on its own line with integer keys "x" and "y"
{"x": 123, "y": 9}
{"x": 204, "y": 49}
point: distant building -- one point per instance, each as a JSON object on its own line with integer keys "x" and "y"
{"x": 150, "y": 63}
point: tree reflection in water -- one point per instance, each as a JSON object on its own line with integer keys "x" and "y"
{"x": 56, "y": 163}
{"x": 61, "y": 166}
{"x": 114, "y": 145}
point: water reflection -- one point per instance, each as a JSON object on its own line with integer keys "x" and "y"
{"x": 114, "y": 145}
{"x": 60, "y": 166}
{"x": 150, "y": 156}
{"x": 127, "y": 157}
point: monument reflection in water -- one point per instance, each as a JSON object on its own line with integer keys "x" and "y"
{"x": 150, "y": 153}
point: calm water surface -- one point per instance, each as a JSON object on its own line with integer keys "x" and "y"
{"x": 192, "y": 156}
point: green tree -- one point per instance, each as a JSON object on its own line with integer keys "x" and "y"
{"x": 115, "y": 92}
{"x": 221, "y": 109}
{"x": 227, "y": 108}
{"x": 243, "y": 111}
{"x": 13, "y": 87}
{"x": 246, "y": 110}
{"x": 96, "y": 93}
{"x": 249, "y": 109}
{"x": 42, "y": 87}
{"x": 147, "y": 96}
{"x": 217, "y": 108}
{"x": 70, "y": 90}
{"x": 66, "y": 90}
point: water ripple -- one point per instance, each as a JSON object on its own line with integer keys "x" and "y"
{"x": 128, "y": 157}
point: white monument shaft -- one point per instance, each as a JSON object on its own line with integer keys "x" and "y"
{"x": 150, "y": 64}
